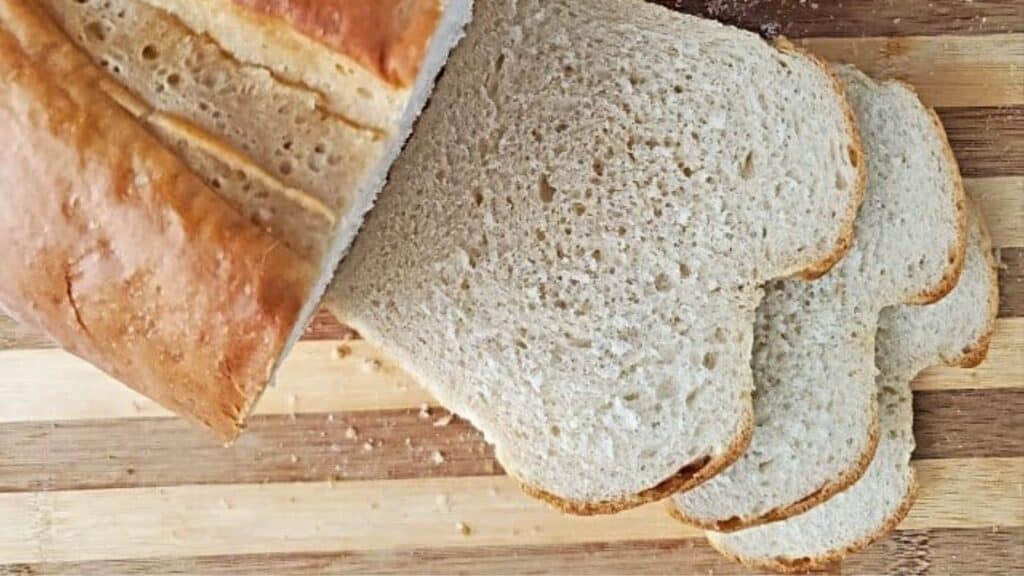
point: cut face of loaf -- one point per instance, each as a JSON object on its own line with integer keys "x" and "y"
{"x": 815, "y": 408}
{"x": 910, "y": 338}
{"x": 291, "y": 111}
{"x": 570, "y": 250}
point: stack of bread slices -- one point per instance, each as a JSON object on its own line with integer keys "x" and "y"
{"x": 648, "y": 255}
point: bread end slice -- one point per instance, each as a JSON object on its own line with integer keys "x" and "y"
{"x": 955, "y": 331}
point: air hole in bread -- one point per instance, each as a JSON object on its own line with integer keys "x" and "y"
{"x": 709, "y": 361}
{"x": 478, "y": 198}
{"x": 747, "y": 169}
{"x": 556, "y": 431}
{"x": 545, "y": 190}
{"x": 174, "y": 80}
{"x": 691, "y": 397}
{"x": 662, "y": 283}
{"x": 285, "y": 168}
{"x": 97, "y": 31}
{"x": 149, "y": 52}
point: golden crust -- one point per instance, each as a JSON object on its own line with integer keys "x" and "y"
{"x": 119, "y": 253}
{"x": 388, "y": 37}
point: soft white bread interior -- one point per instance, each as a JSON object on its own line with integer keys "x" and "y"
{"x": 570, "y": 249}
{"x": 301, "y": 153}
{"x": 815, "y": 407}
{"x": 955, "y": 331}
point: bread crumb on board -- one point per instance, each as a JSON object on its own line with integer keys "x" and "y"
{"x": 342, "y": 351}
{"x": 351, "y": 433}
{"x": 437, "y": 458}
{"x": 444, "y": 421}
{"x": 462, "y": 528}
{"x": 424, "y": 412}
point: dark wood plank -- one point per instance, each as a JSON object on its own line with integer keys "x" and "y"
{"x": 969, "y": 423}
{"x": 131, "y": 453}
{"x": 45, "y": 456}
{"x": 799, "y": 19}
{"x": 986, "y": 141}
{"x": 1011, "y": 282}
{"x": 935, "y": 551}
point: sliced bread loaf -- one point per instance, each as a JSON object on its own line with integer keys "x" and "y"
{"x": 815, "y": 406}
{"x": 114, "y": 249}
{"x": 570, "y": 249}
{"x": 302, "y": 161}
{"x": 954, "y": 332}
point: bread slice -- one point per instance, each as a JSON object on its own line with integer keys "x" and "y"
{"x": 954, "y": 332}
{"x": 114, "y": 249}
{"x": 815, "y": 407}
{"x": 570, "y": 249}
{"x": 302, "y": 161}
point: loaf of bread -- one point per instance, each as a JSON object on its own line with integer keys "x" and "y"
{"x": 815, "y": 404}
{"x": 954, "y": 332}
{"x": 113, "y": 248}
{"x": 570, "y": 249}
{"x": 291, "y": 111}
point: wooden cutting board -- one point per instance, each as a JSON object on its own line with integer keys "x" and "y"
{"x": 349, "y": 469}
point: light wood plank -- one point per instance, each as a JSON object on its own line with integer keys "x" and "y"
{"x": 403, "y": 514}
{"x": 947, "y": 71}
{"x": 50, "y": 384}
{"x": 1001, "y": 199}
{"x": 968, "y": 493}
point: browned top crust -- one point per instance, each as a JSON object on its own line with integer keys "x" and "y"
{"x": 389, "y": 37}
{"x": 118, "y": 252}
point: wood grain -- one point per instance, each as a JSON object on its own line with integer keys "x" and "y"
{"x": 167, "y": 452}
{"x": 1002, "y": 201}
{"x": 946, "y": 71}
{"x": 138, "y": 453}
{"x": 987, "y": 141}
{"x": 1011, "y": 282}
{"x": 906, "y": 552}
{"x": 969, "y": 423}
{"x": 50, "y": 384}
{"x": 312, "y": 379}
{"x": 401, "y": 514}
{"x": 134, "y": 453}
{"x": 862, "y": 17}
